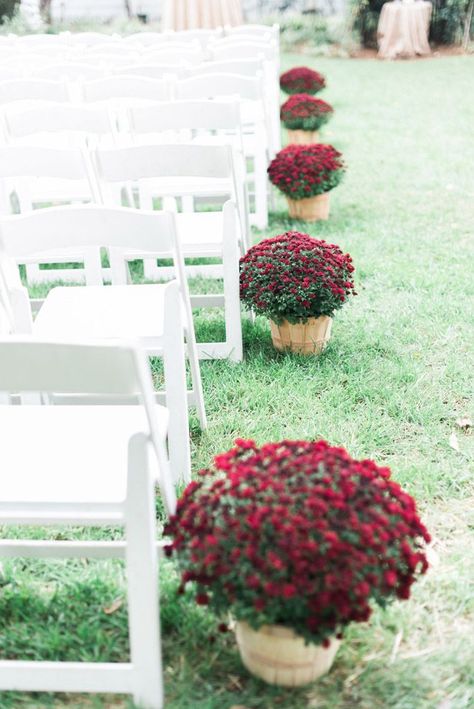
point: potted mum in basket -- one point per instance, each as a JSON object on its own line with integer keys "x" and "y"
{"x": 298, "y": 282}
{"x": 296, "y": 540}
{"x": 302, "y": 79}
{"x": 302, "y": 115}
{"x": 306, "y": 174}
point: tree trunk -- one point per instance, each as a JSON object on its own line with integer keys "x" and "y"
{"x": 45, "y": 11}
{"x": 467, "y": 25}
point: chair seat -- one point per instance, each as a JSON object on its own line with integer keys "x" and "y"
{"x": 184, "y": 186}
{"x": 92, "y": 473}
{"x": 103, "y": 311}
{"x": 200, "y": 232}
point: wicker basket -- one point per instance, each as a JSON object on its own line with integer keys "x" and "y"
{"x": 303, "y": 137}
{"x": 279, "y": 656}
{"x": 307, "y": 338}
{"x": 309, "y": 209}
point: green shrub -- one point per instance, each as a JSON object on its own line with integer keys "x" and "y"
{"x": 447, "y": 22}
{"x": 448, "y": 19}
{"x": 7, "y": 9}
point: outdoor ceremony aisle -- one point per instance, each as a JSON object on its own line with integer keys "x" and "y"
{"x": 393, "y": 386}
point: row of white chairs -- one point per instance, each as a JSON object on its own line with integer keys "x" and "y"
{"x": 250, "y": 130}
{"x": 35, "y": 176}
{"x": 145, "y": 312}
{"x": 179, "y": 59}
{"x": 145, "y": 38}
{"x": 178, "y": 50}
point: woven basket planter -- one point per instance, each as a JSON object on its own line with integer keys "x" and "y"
{"x": 302, "y": 137}
{"x": 309, "y": 209}
{"x": 307, "y": 338}
{"x": 279, "y": 656}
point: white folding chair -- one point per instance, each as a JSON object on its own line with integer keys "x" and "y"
{"x": 168, "y": 54}
{"x": 70, "y": 71}
{"x": 240, "y": 67}
{"x": 151, "y": 70}
{"x": 233, "y": 48}
{"x": 59, "y": 124}
{"x": 194, "y": 170}
{"x": 10, "y": 72}
{"x": 89, "y": 39}
{"x": 253, "y": 30}
{"x": 119, "y": 310}
{"x": 198, "y": 34}
{"x": 202, "y": 122}
{"x": 37, "y": 175}
{"x": 105, "y": 61}
{"x": 255, "y": 122}
{"x": 34, "y": 41}
{"x": 143, "y": 39}
{"x": 89, "y": 466}
{"x": 33, "y": 90}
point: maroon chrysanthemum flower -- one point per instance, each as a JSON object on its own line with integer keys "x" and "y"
{"x": 293, "y": 276}
{"x": 304, "y": 112}
{"x": 302, "y": 79}
{"x": 301, "y": 171}
{"x": 321, "y": 536}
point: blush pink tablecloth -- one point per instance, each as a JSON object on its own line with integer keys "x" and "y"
{"x": 403, "y": 28}
{"x": 191, "y": 14}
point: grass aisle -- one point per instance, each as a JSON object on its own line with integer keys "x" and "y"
{"x": 397, "y": 375}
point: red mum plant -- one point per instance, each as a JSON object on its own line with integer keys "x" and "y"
{"x": 299, "y": 534}
{"x": 301, "y": 79}
{"x": 303, "y": 112}
{"x": 301, "y": 171}
{"x": 295, "y": 277}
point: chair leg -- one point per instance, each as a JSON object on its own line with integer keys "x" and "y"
{"x": 193, "y": 357}
{"x": 174, "y": 364}
{"x": 142, "y": 579}
{"x": 230, "y": 260}
{"x": 261, "y": 194}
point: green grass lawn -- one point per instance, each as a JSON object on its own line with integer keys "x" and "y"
{"x": 396, "y": 376}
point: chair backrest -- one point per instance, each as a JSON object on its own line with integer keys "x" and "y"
{"x": 173, "y": 55}
{"x": 207, "y": 86}
{"x": 96, "y": 368}
{"x": 151, "y": 70}
{"x": 227, "y": 40}
{"x": 185, "y": 115}
{"x": 116, "y": 47}
{"x": 144, "y": 39}
{"x": 37, "y": 161}
{"x": 88, "y": 39}
{"x": 254, "y": 29}
{"x": 66, "y": 368}
{"x": 33, "y": 89}
{"x": 10, "y": 72}
{"x": 151, "y": 161}
{"x": 126, "y": 87}
{"x": 105, "y": 61}
{"x": 58, "y": 117}
{"x": 202, "y": 35}
{"x": 80, "y": 227}
{"x": 240, "y": 67}
{"x": 41, "y": 40}
{"x": 244, "y": 50}
{"x": 21, "y": 163}
{"x": 68, "y": 71}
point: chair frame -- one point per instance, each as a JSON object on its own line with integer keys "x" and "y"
{"x": 57, "y": 367}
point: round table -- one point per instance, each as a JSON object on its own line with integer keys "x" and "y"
{"x": 403, "y": 28}
{"x": 192, "y": 14}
